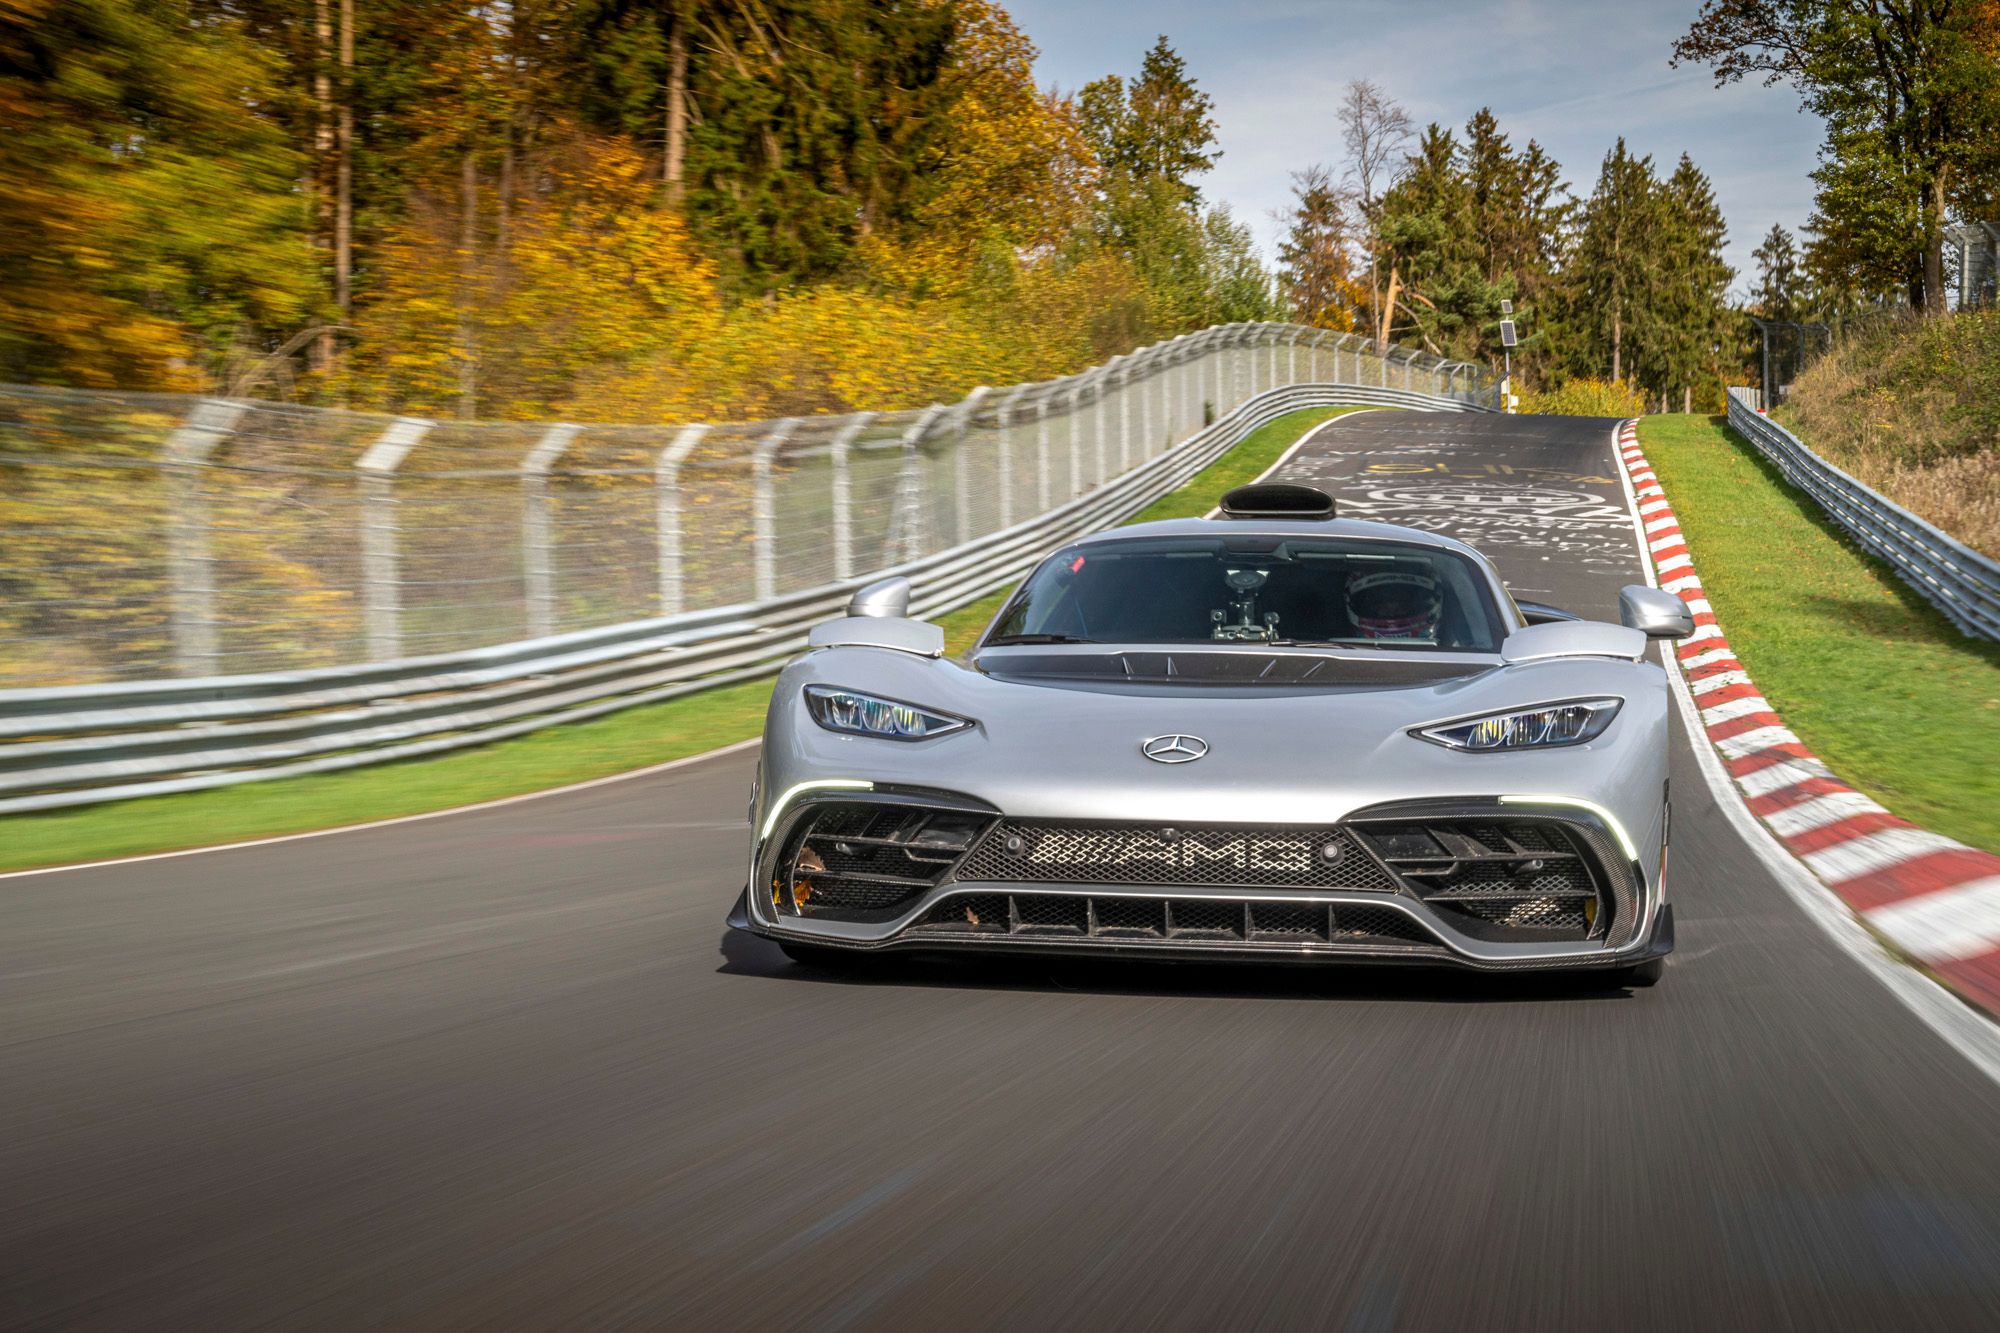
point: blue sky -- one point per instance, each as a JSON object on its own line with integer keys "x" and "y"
{"x": 1571, "y": 73}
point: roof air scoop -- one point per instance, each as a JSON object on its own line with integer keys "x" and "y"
{"x": 1277, "y": 500}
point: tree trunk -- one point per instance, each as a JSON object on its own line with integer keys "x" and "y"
{"x": 468, "y": 236}
{"x": 677, "y": 118}
{"x": 322, "y": 346}
{"x": 1687, "y": 398}
{"x": 1617, "y": 338}
{"x": 1388, "y": 312}
{"x": 343, "y": 206}
{"x": 1934, "y": 220}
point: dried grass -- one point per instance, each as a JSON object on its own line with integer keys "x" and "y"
{"x": 1912, "y": 408}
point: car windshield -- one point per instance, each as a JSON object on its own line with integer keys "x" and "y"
{"x": 1264, "y": 590}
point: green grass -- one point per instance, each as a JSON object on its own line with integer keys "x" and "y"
{"x": 1873, "y": 679}
{"x": 634, "y": 738}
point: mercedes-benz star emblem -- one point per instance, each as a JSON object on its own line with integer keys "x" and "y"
{"x": 1174, "y": 749}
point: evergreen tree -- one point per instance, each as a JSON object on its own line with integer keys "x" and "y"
{"x": 1613, "y": 272}
{"x": 1690, "y": 312}
{"x": 1159, "y": 129}
{"x": 1316, "y": 255}
{"x": 1779, "y": 293}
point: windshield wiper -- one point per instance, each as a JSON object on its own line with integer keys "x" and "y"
{"x": 1008, "y": 639}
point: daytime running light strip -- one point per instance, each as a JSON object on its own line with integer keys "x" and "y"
{"x": 820, "y": 784}
{"x": 1624, "y": 840}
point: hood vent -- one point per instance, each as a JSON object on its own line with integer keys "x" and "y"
{"x": 1277, "y": 500}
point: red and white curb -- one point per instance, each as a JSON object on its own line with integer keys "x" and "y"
{"x": 1935, "y": 900}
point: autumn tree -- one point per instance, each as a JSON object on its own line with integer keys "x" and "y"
{"x": 149, "y": 221}
{"x": 1316, "y": 256}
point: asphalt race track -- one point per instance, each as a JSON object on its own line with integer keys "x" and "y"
{"x": 504, "y": 1068}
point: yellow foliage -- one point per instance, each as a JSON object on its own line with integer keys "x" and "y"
{"x": 1015, "y": 175}
{"x": 1587, "y": 398}
{"x": 594, "y": 276}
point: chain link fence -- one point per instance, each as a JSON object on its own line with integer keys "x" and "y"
{"x": 144, "y": 536}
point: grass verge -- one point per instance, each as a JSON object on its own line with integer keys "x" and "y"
{"x": 634, "y": 738}
{"x": 1878, "y": 683}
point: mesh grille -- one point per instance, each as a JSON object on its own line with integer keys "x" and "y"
{"x": 1024, "y": 851}
{"x": 1514, "y": 880}
{"x": 866, "y": 861}
{"x": 1189, "y": 921}
{"x": 1134, "y": 916}
{"x": 1050, "y": 913}
{"x": 1194, "y": 916}
{"x": 1284, "y": 920}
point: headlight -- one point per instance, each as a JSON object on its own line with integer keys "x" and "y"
{"x": 1571, "y": 722}
{"x": 860, "y": 714}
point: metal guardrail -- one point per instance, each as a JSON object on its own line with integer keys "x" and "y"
{"x": 80, "y": 744}
{"x": 152, "y": 535}
{"x": 1956, "y": 579}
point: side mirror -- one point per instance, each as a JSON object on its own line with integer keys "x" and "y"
{"x": 1656, "y": 614}
{"x": 884, "y": 599}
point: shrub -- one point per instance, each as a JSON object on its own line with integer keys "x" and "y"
{"x": 1587, "y": 398}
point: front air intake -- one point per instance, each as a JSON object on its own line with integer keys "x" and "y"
{"x": 1277, "y": 500}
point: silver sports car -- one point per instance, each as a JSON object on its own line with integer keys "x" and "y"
{"x": 1272, "y": 734}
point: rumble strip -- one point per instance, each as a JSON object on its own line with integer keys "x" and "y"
{"x": 1935, "y": 900}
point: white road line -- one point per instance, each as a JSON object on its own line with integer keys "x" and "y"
{"x": 648, "y": 771}
{"x": 1961, "y": 1027}
{"x": 1945, "y": 926}
{"x": 1300, "y": 443}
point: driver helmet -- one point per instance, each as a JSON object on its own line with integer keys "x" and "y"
{"x": 1398, "y": 603}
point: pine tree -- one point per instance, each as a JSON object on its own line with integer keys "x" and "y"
{"x": 1160, "y": 128}
{"x": 1316, "y": 255}
{"x": 1691, "y": 292}
{"x": 1613, "y": 272}
{"x": 1779, "y": 292}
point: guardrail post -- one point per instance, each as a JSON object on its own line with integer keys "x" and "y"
{"x": 190, "y": 557}
{"x": 1152, "y": 378}
{"x": 1124, "y": 365}
{"x": 381, "y": 589}
{"x": 1220, "y": 352}
{"x": 907, "y": 526}
{"x": 843, "y": 495}
{"x": 537, "y": 564}
{"x": 667, "y": 517}
{"x": 1098, "y": 379}
{"x": 1044, "y": 464}
{"x": 961, "y": 470}
{"x": 764, "y": 509}
{"x": 1004, "y": 444}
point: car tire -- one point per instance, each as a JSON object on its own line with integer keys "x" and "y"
{"x": 1645, "y": 974}
{"x": 823, "y": 957}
